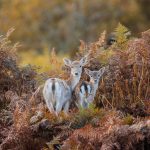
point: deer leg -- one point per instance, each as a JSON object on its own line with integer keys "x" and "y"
{"x": 50, "y": 107}
{"x": 84, "y": 103}
{"x": 58, "y": 108}
{"x": 66, "y": 107}
{"x": 47, "y": 98}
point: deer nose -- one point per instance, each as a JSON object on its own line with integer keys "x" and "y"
{"x": 95, "y": 80}
{"x": 76, "y": 74}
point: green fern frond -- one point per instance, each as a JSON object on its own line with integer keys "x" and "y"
{"x": 122, "y": 34}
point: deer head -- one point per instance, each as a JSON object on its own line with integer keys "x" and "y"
{"x": 76, "y": 66}
{"x": 95, "y": 75}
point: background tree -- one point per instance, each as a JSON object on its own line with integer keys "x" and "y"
{"x": 61, "y": 24}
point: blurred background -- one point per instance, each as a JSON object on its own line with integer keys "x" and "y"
{"x": 41, "y": 25}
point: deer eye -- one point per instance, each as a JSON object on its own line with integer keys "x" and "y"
{"x": 80, "y": 66}
{"x": 98, "y": 75}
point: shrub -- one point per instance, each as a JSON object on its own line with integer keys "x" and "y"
{"x": 128, "y": 79}
{"x": 126, "y": 82}
{"x": 12, "y": 77}
{"x": 16, "y": 86}
{"x": 110, "y": 136}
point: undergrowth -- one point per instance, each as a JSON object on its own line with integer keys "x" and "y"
{"x": 116, "y": 119}
{"x": 86, "y": 116}
{"x": 126, "y": 82}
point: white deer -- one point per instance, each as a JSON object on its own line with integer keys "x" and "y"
{"x": 86, "y": 91}
{"x": 57, "y": 92}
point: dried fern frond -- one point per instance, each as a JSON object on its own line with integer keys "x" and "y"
{"x": 102, "y": 39}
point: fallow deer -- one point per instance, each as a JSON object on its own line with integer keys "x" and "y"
{"x": 57, "y": 92}
{"x": 86, "y": 91}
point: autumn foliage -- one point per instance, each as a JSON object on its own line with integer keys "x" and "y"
{"x": 118, "y": 118}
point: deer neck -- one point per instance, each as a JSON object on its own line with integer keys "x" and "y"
{"x": 95, "y": 87}
{"x": 73, "y": 81}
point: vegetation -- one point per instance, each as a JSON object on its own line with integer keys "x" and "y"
{"x": 59, "y": 23}
{"x": 118, "y": 119}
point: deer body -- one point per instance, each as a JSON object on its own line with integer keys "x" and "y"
{"x": 57, "y": 92}
{"x": 86, "y": 91}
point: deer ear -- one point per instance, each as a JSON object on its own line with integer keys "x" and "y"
{"x": 102, "y": 70}
{"x": 67, "y": 62}
{"x": 87, "y": 71}
{"x": 84, "y": 60}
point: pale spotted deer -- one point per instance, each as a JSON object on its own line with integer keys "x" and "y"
{"x": 85, "y": 91}
{"x": 57, "y": 92}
